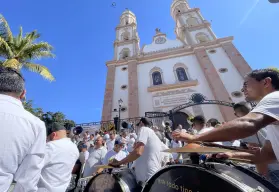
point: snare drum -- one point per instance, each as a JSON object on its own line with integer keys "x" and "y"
{"x": 82, "y": 182}
{"x": 120, "y": 180}
{"x": 210, "y": 177}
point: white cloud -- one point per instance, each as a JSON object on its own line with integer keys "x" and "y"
{"x": 246, "y": 16}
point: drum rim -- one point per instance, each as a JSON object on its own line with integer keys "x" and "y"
{"x": 193, "y": 166}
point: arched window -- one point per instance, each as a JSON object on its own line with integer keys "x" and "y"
{"x": 192, "y": 21}
{"x": 202, "y": 38}
{"x": 157, "y": 78}
{"x": 125, "y": 53}
{"x": 125, "y": 36}
{"x": 181, "y": 74}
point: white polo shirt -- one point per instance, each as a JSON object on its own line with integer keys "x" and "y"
{"x": 61, "y": 156}
{"x": 269, "y": 106}
{"x": 22, "y": 146}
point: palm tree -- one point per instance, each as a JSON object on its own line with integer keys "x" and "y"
{"x": 19, "y": 51}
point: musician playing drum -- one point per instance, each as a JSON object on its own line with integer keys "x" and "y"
{"x": 147, "y": 153}
{"x": 260, "y": 86}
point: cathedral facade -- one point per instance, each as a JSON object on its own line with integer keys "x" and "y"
{"x": 164, "y": 74}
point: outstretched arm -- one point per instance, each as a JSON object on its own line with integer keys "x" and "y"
{"x": 236, "y": 129}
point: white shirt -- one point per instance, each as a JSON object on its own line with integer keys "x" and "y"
{"x": 61, "y": 156}
{"x": 83, "y": 156}
{"x": 175, "y": 145}
{"x": 269, "y": 106}
{"x": 150, "y": 161}
{"x": 165, "y": 157}
{"x": 95, "y": 158}
{"x": 22, "y": 146}
{"x": 110, "y": 144}
{"x": 130, "y": 145}
{"x": 113, "y": 155}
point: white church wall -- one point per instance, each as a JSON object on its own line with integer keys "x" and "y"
{"x": 168, "y": 44}
{"x": 195, "y": 72}
{"x": 120, "y": 48}
{"x": 232, "y": 80}
{"x": 121, "y": 78}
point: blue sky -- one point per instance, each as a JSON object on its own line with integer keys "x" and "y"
{"x": 83, "y": 31}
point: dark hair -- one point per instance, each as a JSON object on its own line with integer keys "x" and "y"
{"x": 261, "y": 74}
{"x": 213, "y": 122}
{"x": 243, "y": 106}
{"x": 11, "y": 81}
{"x": 144, "y": 121}
{"x": 199, "y": 119}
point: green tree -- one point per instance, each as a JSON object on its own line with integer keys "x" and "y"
{"x": 20, "y": 51}
{"x": 28, "y": 105}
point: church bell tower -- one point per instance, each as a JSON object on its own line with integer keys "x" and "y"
{"x": 191, "y": 27}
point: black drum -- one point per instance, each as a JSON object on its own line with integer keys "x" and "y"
{"x": 120, "y": 180}
{"x": 210, "y": 177}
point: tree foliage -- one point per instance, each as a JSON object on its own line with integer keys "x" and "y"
{"x": 20, "y": 51}
{"x": 48, "y": 117}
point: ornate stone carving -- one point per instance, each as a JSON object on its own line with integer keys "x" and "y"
{"x": 174, "y": 92}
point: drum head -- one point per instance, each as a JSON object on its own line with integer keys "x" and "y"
{"x": 188, "y": 178}
{"x": 103, "y": 183}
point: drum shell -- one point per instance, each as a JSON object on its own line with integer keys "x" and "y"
{"x": 192, "y": 178}
{"x": 120, "y": 180}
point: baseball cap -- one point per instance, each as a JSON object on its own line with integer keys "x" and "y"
{"x": 144, "y": 121}
{"x": 119, "y": 142}
{"x": 53, "y": 127}
{"x": 84, "y": 146}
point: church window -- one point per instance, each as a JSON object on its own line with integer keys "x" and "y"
{"x": 157, "y": 78}
{"x": 237, "y": 94}
{"x": 192, "y": 21}
{"x": 202, "y": 38}
{"x": 180, "y": 71}
{"x": 212, "y": 51}
{"x": 181, "y": 74}
{"x": 125, "y": 36}
{"x": 124, "y": 87}
{"x": 223, "y": 70}
{"x": 125, "y": 53}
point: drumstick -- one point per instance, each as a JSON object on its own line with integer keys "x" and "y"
{"x": 225, "y": 147}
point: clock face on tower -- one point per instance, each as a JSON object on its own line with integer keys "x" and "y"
{"x": 160, "y": 40}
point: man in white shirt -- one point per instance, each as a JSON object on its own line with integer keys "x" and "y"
{"x": 110, "y": 142}
{"x": 95, "y": 157}
{"x": 146, "y": 154}
{"x": 115, "y": 153}
{"x": 131, "y": 142}
{"x": 84, "y": 154}
{"x": 261, "y": 86}
{"x": 22, "y": 136}
{"x": 61, "y": 156}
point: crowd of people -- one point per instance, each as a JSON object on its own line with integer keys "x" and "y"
{"x": 39, "y": 157}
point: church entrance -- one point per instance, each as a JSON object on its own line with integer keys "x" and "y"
{"x": 180, "y": 118}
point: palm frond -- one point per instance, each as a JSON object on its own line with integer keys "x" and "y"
{"x": 12, "y": 63}
{"x": 5, "y": 31}
{"x": 42, "y": 70}
{"x": 36, "y": 51}
{"x": 32, "y": 36}
{"x": 4, "y": 47}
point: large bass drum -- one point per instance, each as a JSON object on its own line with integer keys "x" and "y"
{"x": 120, "y": 180}
{"x": 209, "y": 177}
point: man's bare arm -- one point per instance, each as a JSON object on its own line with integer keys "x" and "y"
{"x": 236, "y": 129}
{"x": 265, "y": 155}
{"x": 134, "y": 155}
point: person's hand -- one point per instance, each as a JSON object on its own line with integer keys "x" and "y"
{"x": 226, "y": 155}
{"x": 114, "y": 163}
{"x": 182, "y": 136}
